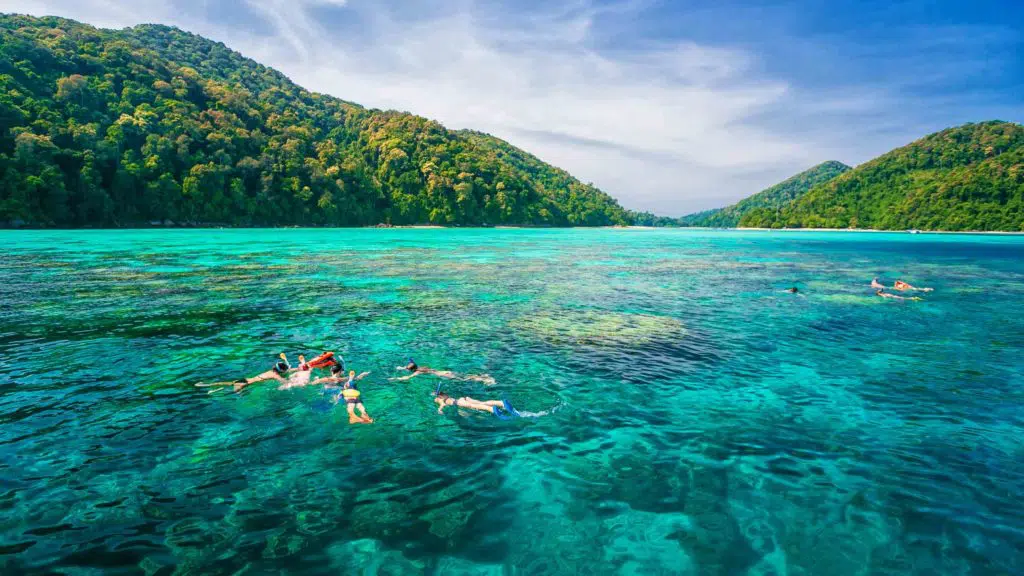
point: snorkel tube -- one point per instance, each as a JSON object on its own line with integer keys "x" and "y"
{"x": 282, "y": 366}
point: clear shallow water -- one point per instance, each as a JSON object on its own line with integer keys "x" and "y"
{"x": 691, "y": 417}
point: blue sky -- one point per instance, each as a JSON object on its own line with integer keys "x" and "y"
{"x": 669, "y": 106}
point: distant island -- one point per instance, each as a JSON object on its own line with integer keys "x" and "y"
{"x": 155, "y": 126}
{"x": 152, "y": 125}
{"x": 968, "y": 178}
{"x": 965, "y": 178}
{"x": 771, "y": 199}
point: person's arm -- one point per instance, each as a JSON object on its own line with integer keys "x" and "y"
{"x": 361, "y": 376}
{"x": 402, "y": 378}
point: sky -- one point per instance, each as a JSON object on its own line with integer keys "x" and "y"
{"x": 669, "y": 106}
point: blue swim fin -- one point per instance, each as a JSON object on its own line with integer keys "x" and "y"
{"x": 510, "y": 409}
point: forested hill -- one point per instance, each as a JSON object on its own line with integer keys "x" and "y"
{"x": 771, "y": 198}
{"x": 125, "y": 127}
{"x": 966, "y": 178}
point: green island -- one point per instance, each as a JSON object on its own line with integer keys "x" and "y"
{"x": 771, "y": 199}
{"x": 152, "y": 125}
{"x": 155, "y": 125}
{"x": 966, "y": 178}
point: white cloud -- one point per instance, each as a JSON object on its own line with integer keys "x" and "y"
{"x": 672, "y": 127}
{"x": 657, "y": 128}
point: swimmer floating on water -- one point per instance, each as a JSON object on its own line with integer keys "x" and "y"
{"x": 300, "y": 376}
{"x": 795, "y": 290}
{"x": 416, "y": 370}
{"x": 903, "y": 286}
{"x": 337, "y": 377}
{"x": 350, "y": 392}
{"x": 493, "y": 406}
{"x": 894, "y": 296}
{"x": 278, "y": 373}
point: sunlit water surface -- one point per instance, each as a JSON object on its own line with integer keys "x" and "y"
{"x": 684, "y": 414}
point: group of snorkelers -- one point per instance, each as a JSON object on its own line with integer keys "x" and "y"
{"x": 879, "y": 289}
{"x": 344, "y": 387}
{"x": 898, "y": 285}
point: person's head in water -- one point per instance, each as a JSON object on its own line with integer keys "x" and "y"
{"x": 411, "y": 366}
{"x": 792, "y": 290}
{"x": 442, "y": 396}
{"x": 336, "y": 370}
{"x": 281, "y": 367}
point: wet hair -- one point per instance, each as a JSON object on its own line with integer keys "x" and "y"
{"x": 442, "y": 396}
{"x": 411, "y": 366}
{"x": 337, "y": 369}
{"x": 280, "y": 367}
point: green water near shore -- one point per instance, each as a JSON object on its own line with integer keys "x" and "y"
{"x": 684, "y": 414}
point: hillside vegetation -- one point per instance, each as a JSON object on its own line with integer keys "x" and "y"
{"x": 771, "y": 198}
{"x": 966, "y": 178}
{"x": 122, "y": 127}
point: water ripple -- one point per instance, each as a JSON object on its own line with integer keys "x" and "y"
{"x": 685, "y": 414}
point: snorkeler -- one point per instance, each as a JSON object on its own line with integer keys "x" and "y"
{"x": 902, "y": 286}
{"x": 492, "y": 406}
{"x": 300, "y": 376}
{"x": 415, "y": 370}
{"x": 350, "y": 392}
{"x": 894, "y": 296}
{"x": 276, "y": 373}
{"x": 337, "y": 377}
{"x": 792, "y": 290}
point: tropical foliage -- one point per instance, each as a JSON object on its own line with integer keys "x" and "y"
{"x": 121, "y": 127}
{"x": 770, "y": 199}
{"x": 966, "y": 178}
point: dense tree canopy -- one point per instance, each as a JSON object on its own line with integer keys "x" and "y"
{"x": 966, "y": 178}
{"x": 121, "y": 127}
{"x": 770, "y": 199}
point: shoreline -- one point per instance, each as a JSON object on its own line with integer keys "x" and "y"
{"x": 514, "y": 227}
{"x": 875, "y": 231}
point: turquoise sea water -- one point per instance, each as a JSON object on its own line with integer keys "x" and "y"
{"x": 684, "y": 414}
